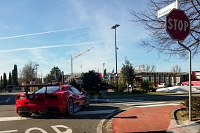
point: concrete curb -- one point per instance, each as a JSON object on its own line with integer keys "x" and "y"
{"x": 187, "y": 126}
{"x": 173, "y": 124}
{"x": 109, "y": 122}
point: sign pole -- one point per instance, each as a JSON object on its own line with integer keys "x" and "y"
{"x": 171, "y": 29}
{"x": 176, "y": 4}
{"x": 190, "y": 88}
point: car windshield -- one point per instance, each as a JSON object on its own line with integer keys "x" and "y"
{"x": 50, "y": 89}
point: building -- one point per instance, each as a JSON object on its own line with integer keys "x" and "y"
{"x": 162, "y": 77}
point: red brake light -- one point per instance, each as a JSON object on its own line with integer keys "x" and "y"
{"x": 20, "y": 97}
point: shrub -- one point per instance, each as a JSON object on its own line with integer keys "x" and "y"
{"x": 195, "y": 104}
{"x": 121, "y": 85}
{"x": 145, "y": 86}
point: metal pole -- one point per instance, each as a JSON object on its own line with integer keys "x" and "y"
{"x": 190, "y": 95}
{"x": 62, "y": 77}
{"x": 190, "y": 88}
{"x": 116, "y": 63}
{"x": 103, "y": 67}
{"x": 36, "y": 65}
{"x": 71, "y": 64}
{"x": 114, "y": 27}
{"x": 177, "y": 4}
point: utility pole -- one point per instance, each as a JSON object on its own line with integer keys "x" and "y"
{"x": 76, "y": 57}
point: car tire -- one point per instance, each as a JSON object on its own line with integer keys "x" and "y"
{"x": 70, "y": 107}
{"x": 86, "y": 102}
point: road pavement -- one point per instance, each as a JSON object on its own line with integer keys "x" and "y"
{"x": 95, "y": 118}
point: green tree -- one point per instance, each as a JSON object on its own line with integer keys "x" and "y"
{"x": 9, "y": 79}
{"x": 54, "y": 75}
{"x": 127, "y": 73}
{"x": 1, "y": 83}
{"x": 4, "y": 81}
{"x": 91, "y": 81}
{"x": 146, "y": 86}
{"x": 121, "y": 85}
{"x": 15, "y": 76}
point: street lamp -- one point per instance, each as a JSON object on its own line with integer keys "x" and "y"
{"x": 103, "y": 70}
{"x": 116, "y": 83}
{"x": 36, "y": 65}
{"x": 63, "y": 77}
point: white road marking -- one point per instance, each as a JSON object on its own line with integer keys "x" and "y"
{"x": 139, "y": 103}
{"x": 143, "y": 104}
{"x": 155, "y": 105}
{"x": 8, "y": 131}
{"x": 95, "y": 112}
{"x": 123, "y": 100}
{"x": 7, "y": 99}
{"x": 35, "y": 128}
{"x": 12, "y": 118}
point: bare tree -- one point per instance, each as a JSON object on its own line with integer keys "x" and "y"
{"x": 147, "y": 68}
{"x": 155, "y": 26}
{"x": 28, "y": 72}
{"x": 176, "y": 69}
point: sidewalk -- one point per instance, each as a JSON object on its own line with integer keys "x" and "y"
{"x": 152, "y": 120}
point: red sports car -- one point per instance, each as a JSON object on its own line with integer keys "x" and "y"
{"x": 65, "y": 99}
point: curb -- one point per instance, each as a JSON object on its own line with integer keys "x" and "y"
{"x": 176, "y": 127}
{"x": 108, "y": 125}
{"x": 173, "y": 116}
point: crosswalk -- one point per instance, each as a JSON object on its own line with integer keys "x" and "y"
{"x": 142, "y": 103}
{"x": 130, "y": 103}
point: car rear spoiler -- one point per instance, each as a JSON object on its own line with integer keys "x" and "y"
{"x": 37, "y": 85}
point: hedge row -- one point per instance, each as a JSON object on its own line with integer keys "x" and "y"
{"x": 195, "y": 104}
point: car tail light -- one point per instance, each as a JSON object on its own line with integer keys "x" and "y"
{"x": 20, "y": 97}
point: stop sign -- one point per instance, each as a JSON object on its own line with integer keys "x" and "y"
{"x": 177, "y": 25}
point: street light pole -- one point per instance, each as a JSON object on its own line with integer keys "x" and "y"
{"x": 103, "y": 71}
{"x": 71, "y": 64}
{"x": 63, "y": 77}
{"x": 116, "y": 83}
{"x": 36, "y": 65}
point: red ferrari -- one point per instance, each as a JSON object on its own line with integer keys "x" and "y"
{"x": 64, "y": 99}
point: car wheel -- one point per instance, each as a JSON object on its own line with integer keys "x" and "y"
{"x": 70, "y": 107}
{"x": 87, "y": 102}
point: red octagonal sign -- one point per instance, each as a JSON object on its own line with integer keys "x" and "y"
{"x": 177, "y": 25}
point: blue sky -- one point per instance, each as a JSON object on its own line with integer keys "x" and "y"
{"x": 47, "y": 32}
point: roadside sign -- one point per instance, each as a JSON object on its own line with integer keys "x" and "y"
{"x": 167, "y": 9}
{"x": 177, "y": 25}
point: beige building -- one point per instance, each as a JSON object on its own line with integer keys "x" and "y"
{"x": 162, "y": 77}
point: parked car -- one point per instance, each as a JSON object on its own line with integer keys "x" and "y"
{"x": 64, "y": 99}
{"x": 162, "y": 85}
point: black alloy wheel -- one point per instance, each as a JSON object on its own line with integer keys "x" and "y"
{"x": 87, "y": 102}
{"x": 70, "y": 107}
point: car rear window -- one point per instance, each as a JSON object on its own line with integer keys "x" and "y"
{"x": 50, "y": 89}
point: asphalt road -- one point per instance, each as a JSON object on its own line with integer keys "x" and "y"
{"x": 84, "y": 121}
